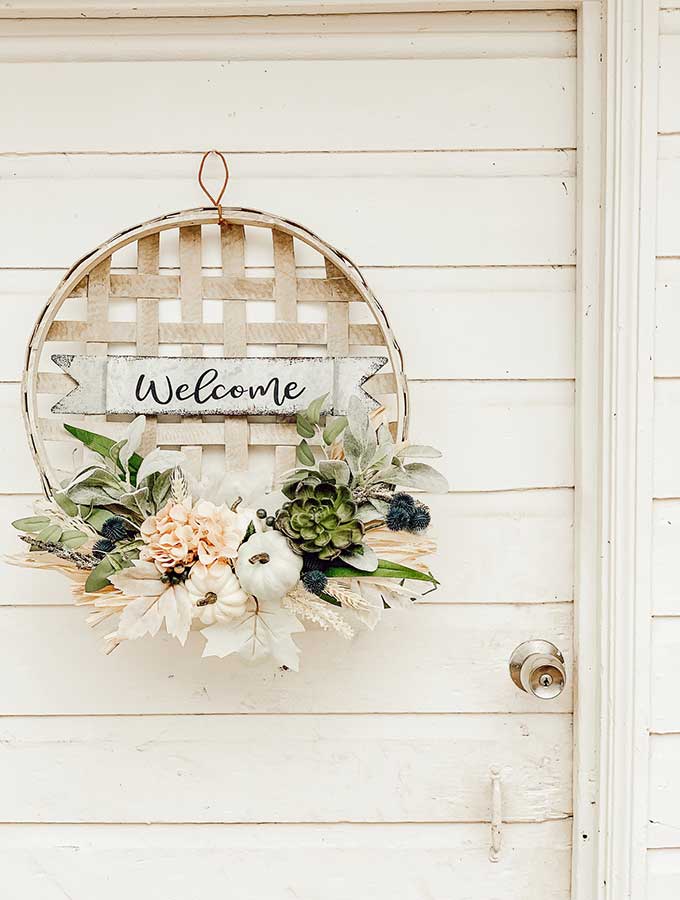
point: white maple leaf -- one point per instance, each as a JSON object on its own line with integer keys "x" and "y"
{"x": 264, "y": 630}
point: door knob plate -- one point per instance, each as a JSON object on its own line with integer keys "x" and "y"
{"x": 537, "y": 667}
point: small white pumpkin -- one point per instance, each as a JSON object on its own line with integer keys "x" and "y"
{"x": 216, "y": 593}
{"x": 266, "y": 566}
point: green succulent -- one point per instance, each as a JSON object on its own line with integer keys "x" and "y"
{"x": 320, "y": 518}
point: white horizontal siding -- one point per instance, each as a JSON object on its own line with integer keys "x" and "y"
{"x": 222, "y": 769}
{"x": 464, "y": 209}
{"x": 403, "y": 862}
{"x": 443, "y": 659}
{"x": 437, "y": 151}
{"x": 664, "y": 798}
{"x": 374, "y": 104}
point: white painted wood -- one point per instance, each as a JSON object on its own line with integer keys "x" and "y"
{"x": 493, "y": 323}
{"x": 664, "y": 783}
{"x": 664, "y": 874}
{"x": 434, "y": 658}
{"x": 403, "y": 862}
{"x": 587, "y": 845}
{"x": 524, "y": 219}
{"x": 616, "y": 638}
{"x": 665, "y": 716}
{"x": 528, "y": 534}
{"x": 500, "y": 210}
{"x": 435, "y": 35}
{"x": 518, "y": 434}
{"x": 257, "y": 768}
{"x": 483, "y": 115}
{"x": 666, "y": 571}
{"x": 669, "y": 71}
{"x": 668, "y": 243}
{"x": 666, "y": 437}
{"x": 157, "y": 8}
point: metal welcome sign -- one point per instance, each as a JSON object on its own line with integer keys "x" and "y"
{"x": 195, "y": 386}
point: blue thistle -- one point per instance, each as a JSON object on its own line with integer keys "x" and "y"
{"x": 420, "y": 518}
{"x": 315, "y": 581}
{"x": 102, "y": 547}
{"x": 115, "y": 529}
{"x": 400, "y": 512}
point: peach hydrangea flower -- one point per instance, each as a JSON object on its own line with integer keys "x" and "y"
{"x": 171, "y": 536}
{"x": 221, "y": 530}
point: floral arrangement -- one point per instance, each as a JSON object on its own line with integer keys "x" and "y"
{"x": 146, "y": 546}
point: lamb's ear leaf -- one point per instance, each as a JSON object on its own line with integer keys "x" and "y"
{"x": 102, "y": 445}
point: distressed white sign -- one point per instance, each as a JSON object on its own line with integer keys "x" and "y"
{"x": 190, "y": 386}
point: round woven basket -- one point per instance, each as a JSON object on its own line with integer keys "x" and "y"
{"x": 178, "y": 285}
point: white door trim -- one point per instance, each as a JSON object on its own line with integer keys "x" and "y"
{"x": 617, "y": 65}
{"x": 614, "y": 446}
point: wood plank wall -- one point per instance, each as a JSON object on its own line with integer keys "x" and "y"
{"x": 664, "y": 802}
{"x": 438, "y": 152}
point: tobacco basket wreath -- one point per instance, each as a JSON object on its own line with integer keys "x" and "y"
{"x": 242, "y": 526}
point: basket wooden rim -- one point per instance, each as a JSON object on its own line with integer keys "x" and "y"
{"x": 198, "y": 216}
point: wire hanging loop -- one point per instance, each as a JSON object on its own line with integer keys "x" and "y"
{"x": 215, "y": 201}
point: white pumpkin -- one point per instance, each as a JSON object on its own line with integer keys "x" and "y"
{"x": 216, "y": 593}
{"x": 266, "y": 566}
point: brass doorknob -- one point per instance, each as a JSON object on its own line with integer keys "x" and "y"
{"x": 537, "y": 667}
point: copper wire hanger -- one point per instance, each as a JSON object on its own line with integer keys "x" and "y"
{"x": 215, "y": 201}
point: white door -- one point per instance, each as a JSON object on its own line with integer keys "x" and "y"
{"x": 438, "y": 151}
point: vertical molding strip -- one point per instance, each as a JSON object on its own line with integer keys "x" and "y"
{"x": 627, "y": 317}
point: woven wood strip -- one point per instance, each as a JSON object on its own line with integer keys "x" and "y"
{"x": 148, "y": 301}
{"x": 226, "y": 287}
{"x": 285, "y": 301}
{"x": 235, "y": 336}
{"x": 148, "y": 255}
{"x": 213, "y": 333}
{"x": 192, "y": 312}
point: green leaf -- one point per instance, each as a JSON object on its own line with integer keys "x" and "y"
{"x": 313, "y": 413}
{"x": 72, "y": 539}
{"x": 329, "y": 599}
{"x": 416, "y": 475}
{"x": 250, "y": 531}
{"x": 62, "y": 499}
{"x": 304, "y": 454}
{"x": 51, "y": 534}
{"x": 31, "y": 524}
{"x": 386, "y": 569}
{"x": 102, "y": 445}
{"x": 98, "y": 578}
{"x": 334, "y": 429}
{"x": 96, "y": 517}
{"x": 304, "y": 426}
